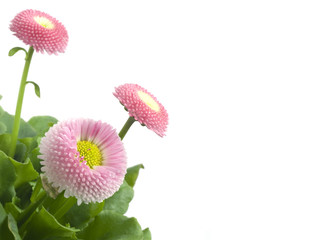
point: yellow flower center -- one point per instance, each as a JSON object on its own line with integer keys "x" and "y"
{"x": 43, "y": 21}
{"x": 147, "y": 99}
{"x": 90, "y": 153}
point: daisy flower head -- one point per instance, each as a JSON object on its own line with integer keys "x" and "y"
{"x": 41, "y": 31}
{"x": 143, "y": 106}
{"x": 84, "y": 158}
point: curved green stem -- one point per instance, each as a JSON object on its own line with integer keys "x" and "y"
{"x": 19, "y": 105}
{"x": 126, "y": 127}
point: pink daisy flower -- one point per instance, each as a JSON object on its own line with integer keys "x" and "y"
{"x": 84, "y": 158}
{"x": 143, "y": 106}
{"x": 40, "y": 30}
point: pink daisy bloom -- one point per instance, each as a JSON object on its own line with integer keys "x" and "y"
{"x": 143, "y": 106}
{"x": 41, "y": 31}
{"x": 84, "y": 158}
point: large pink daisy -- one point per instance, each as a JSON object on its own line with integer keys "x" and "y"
{"x": 84, "y": 158}
{"x": 143, "y": 106}
{"x": 41, "y": 31}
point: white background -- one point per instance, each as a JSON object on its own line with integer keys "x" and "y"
{"x": 243, "y": 83}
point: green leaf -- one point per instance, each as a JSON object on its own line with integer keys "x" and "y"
{"x": 25, "y": 172}
{"x": 9, "y": 229}
{"x": 79, "y": 216}
{"x": 1, "y": 110}
{"x": 4, "y": 231}
{"x": 33, "y": 155}
{"x": 36, "y": 88}
{"x": 5, "y": 141}
{"x": 43, "y": 225}
{"x": 13, "y": 209}
{"x": 21, "y": 149}
{"x": 7, "y": 179}
{"x": 41, "y": 124}
{"x": 16, "y": 49}
{"x": 7, "y": 225}
{"x": 23, "y": 195}
{"x": 21, "y": 152}
{"x": 12, "y": 225}
{"x": 25, "y": 129}
{"x": 3, "y": 128}
{"x": 30, "y": 143}
{"x": 119, "y": 202}
{"x": 146, "y": 234}
{"x": 3, "y": 215}
{"x": 132, "y": 174}
{"x": 113, "y": 226}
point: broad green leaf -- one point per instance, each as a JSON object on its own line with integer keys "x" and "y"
{"x": 13, "y": 209}
{"x": 25, "y": 129}
{"x": 119, "y": 202}
{"x": 3, "y": 128}
{"x": 3, "y": 215}
{"x": 16, "y": 49}
{"x": 4, "y": 231}
{"x": 7, "y": 179}
{"x": 132, "y": 174}
{"x": 146, "y": 234}
{"x": 33, "y": 155}
{"x": 23, "y": 195}
{"x": 1, "y": 110}
{"x": 43, "y": 225}
{"x": 79, "y": 216}
{"x": 12, "y": 225}
{"x": 7, "y": 225}
{"x": 9, "y": 229}
{"x": 113, "y": 226}
{"x": 41, "y": 124}
{"x": 30, "y": 143}
{"x": 5, "y": 141}
{"x": 24, "y": 171}
{"x": 21, "y": 152}
{"x": 36, "y": 88}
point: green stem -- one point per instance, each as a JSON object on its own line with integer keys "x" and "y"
{"x": 25, "y": 217}
{"x": 36, "y": 190}
{"x": 59, "y": 206}
{"x": 126, "y": 127}
{"x": 65, "y": 207}
{"x": 19, "y": 105}
{"x": 31, "y": 208}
